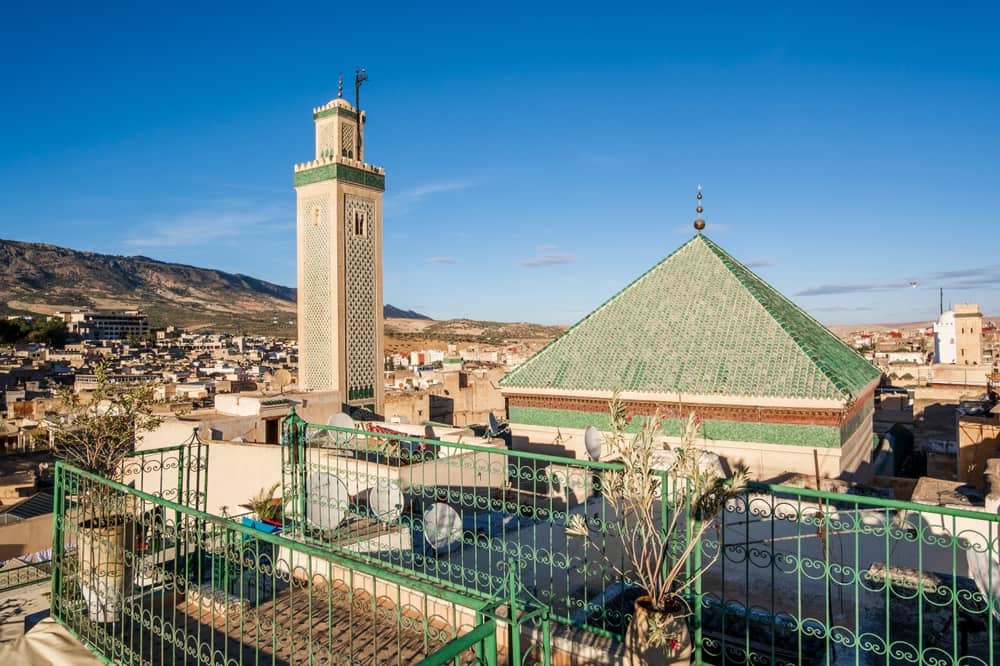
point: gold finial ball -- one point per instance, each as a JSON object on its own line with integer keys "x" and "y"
{"x": 699, "y": 224}
{"x": 699, "y": 210}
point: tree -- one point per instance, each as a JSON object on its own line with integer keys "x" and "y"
{"x": 97, "y": 434}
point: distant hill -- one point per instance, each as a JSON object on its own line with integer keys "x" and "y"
{"x": 41, "y": 278}
{"x": 392, "y": 312}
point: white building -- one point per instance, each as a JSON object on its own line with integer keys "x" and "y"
{"x": 944, "y": 338}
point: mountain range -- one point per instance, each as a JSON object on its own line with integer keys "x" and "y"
{"x": 38, "y": 278}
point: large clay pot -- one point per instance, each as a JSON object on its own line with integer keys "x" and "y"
{"x": 639, "y": 651}
{"x": 104, "y": 554}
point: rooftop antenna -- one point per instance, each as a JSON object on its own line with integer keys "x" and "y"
{"x": 699, "y": 223}
{"x": 942, "y": 300}
{"x": 360, "y": 76}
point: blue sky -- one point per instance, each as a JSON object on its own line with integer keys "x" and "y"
{"x": 538, "y": 157}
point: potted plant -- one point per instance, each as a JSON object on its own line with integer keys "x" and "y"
{"x": 656, "y": 554}
{"x": 96, "y": 434}
{"x": 267, "y": 508}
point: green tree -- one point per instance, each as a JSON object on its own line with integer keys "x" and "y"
{"x": 97, "y": 434}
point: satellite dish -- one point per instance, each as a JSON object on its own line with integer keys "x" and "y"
{"x": 386, "y": 502}
{"x": 980, "y": 567}
{"x": 282, "y": 378}
{"x": 442, "y": 528}
{"x": 592, "y": 442}
{"x": 341, "y": 420}
{"x": 494, "y": 426}
{"x": 327, "y": 500}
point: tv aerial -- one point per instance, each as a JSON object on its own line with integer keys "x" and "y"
{"x": 327, "y": 500}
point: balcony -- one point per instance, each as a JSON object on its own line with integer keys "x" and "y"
{"x": 401, "y": 549}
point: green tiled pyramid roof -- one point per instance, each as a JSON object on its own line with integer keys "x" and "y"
{"x": 699, "y": 322}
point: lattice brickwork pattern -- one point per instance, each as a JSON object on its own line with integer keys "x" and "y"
{"x": 361, "y": 326}
{"x": 328, "y": 140}
{"x": 347, "y": 140}
{"x": 316, "y": 354}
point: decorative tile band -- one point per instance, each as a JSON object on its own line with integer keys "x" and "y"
{"x": 764, "y": 433}
{"x": 335, "y": 111}
{"x": 340, "y": 172}
{"x": 736, "y": 413}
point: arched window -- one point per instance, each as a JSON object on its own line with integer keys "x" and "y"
{"x": 359, "y": 223}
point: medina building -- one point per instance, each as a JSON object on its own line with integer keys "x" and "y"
{"x": 699, "y": 332}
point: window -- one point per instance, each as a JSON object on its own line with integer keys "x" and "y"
{"x": 359, "y": 223}
{"x": 315, "y": 216}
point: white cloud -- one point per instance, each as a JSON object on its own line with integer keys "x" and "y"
{"x": 407, "y": 199}
{"x": 546, "y": 257}
{"x": 443, "y": 260}
{"x": 217, "y": 222}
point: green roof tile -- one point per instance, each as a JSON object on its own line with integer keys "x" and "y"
{"x": 699, "y": 322}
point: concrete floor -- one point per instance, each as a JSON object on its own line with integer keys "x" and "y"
{"x": 16, "y": 604}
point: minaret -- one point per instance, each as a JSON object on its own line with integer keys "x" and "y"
{"x": 339, "y": 235}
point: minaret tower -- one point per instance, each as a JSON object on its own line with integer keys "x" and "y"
{"x": 339, "y": 235}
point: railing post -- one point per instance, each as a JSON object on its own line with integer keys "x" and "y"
{"x": 181, "y": 492}
{"x": 58, "y": 548}
{"x": 514, "y": 634}
{"x": 696, "y": 615}
{"x": 490, "y": 648}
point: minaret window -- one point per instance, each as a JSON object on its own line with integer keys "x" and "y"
{"x": 359, "y": 223}
{"x": 347, "y": 141}
{"x": 315, "y": 216}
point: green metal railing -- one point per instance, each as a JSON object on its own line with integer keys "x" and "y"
{"x": 15, "y": 574}
{"x": 794, "y": 576}
{"x": 144, "y": 580}
{"x": 177, "y": 473}
{"x": 812, "y": 577}
{"x": 388, "y": 499}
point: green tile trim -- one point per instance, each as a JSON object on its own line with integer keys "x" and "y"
{"x": 735, "y": 431}
{"x": 340, "y": 172}
{"x": 336, "y": 111}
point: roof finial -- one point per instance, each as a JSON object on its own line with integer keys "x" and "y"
{"x": 340, "y": 86}
{"x": 699, "y": 223}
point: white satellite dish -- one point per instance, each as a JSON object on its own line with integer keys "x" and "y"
{"x": 341, "y": 420}
{"x": 282, "y": 378}
{"x": 592, "y": 442}
{"x": 442, "y": 528}
{"x": 980, "y": 567}
{"x": 386, "y": 502}
{"x": 327, "y": 500}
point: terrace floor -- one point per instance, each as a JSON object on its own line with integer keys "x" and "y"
{"x": 285, "y": 630}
